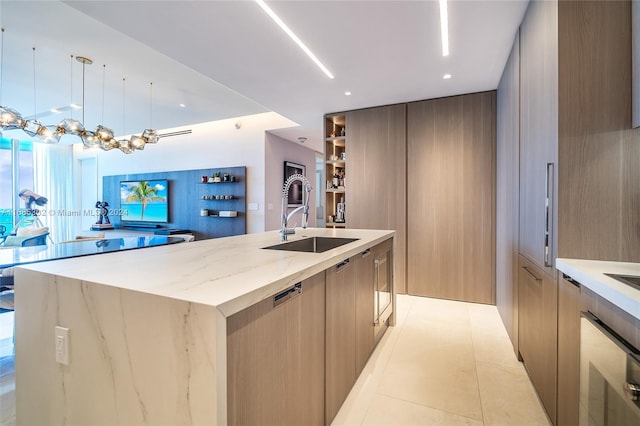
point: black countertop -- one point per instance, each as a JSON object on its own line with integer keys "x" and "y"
{"x": 15, "y": 256}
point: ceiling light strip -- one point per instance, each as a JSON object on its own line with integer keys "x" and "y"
{"x": 444, "y": 27}
{"x": 293, "y": 37}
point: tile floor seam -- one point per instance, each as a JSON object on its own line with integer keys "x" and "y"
{"x": 475, "y": 364}
{"x": 428, "y": 406}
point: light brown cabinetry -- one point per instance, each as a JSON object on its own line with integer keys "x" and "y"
{"x": 599, "y": 173}
{"x": 539, "y": 133}
{"x": 364, "y": 266}
{"x": 538, "y": 295}
{"x": 276, "y": 359}
{"x": 451, "y": 203}
{"x": 507, "y": 192}
{"x": 340, "y": 335}
{"x": 377, "y": 167}
{"x": 569, "y": 308}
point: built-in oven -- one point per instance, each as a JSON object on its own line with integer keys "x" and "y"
{"x": 609, "y": 376}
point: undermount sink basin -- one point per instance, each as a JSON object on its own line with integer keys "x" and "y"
{"x": 632, "y": 280}
{"x": 313, "y": 244}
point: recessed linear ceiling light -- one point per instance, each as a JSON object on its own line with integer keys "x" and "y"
{"x": 446, "y": 76}
{"x": 444, "y": 27}
{"x": 293, "y": 37}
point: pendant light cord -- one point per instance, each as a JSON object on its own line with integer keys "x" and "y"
{"x": 150, "y": 105}
{"x": 104, "y": 70}
{"x": 71, "y": 87}
{"x": 35, "y": 113}
{"x": 1, "y": 63}
{"x": 123, "y": 113}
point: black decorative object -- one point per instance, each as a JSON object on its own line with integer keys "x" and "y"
{"x": 103, "y": 213}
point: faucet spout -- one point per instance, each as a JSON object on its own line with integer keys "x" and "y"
{"x": 284, "y": 231}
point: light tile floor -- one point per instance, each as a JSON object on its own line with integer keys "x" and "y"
{"x": 444, "y": 363}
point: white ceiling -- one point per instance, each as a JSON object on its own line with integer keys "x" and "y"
{"x": 226, "y": 59}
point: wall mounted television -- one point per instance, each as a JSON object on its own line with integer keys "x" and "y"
{"x": 144, "y": 201}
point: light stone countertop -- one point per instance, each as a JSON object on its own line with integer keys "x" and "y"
{"x": 590, "y": 273}
{"x": 229, "y": 273}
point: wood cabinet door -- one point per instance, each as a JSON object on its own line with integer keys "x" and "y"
{"x": 569, "y": 308}
{"x": 538, "y": 131}
{"x": 508, "y": 192}
{"x": 340, "y": 335}
{"x": 538, "y": 332}
{"x": 377, "y": 175}
{"x": 451, "y": 198}
{"x": 364, "y": 274}
{"x": 276, "y": 360}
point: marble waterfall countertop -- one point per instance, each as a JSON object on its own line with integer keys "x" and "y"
{"x": 591, "y": 274}
{"x": 229, "y": 273}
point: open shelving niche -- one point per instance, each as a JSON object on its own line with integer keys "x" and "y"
{"x": 206, "y": 193}
{"x": 335, "y": 165}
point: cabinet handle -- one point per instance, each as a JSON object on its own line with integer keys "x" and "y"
{"x": 570, "y": 280}
{"x": 376, "y": 320}
{"x": 548, "y": 216}
{"x": 287, "y": 294}
{"x": 366, "y": 253}
{"x": 528, "y": 271}
{"x": 342, "y": 264}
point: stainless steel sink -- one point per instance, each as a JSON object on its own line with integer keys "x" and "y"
{"x": 313, "y": 244}
{"x": 632, "y": 280}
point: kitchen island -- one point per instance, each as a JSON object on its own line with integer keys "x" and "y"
{"x": 148, "y": 329}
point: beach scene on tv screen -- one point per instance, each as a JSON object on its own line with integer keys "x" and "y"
{"x": 144, "y": 201}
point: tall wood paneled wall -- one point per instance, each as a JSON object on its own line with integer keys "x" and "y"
{"x": 599, "y": 152}
{"x": 507, "y": 190}
{"x": 451, "y": 197}
{"x": 427, "y": 170}
{"x": 377, "y": 165}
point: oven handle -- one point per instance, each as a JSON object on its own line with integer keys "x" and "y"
{"x": 623, "y": 344}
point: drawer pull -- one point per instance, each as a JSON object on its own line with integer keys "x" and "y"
{"x": 531, "y": 274}
{"x": 287, "y": 294}
{"x": 342, "y": 264}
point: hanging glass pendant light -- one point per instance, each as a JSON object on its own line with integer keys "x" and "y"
{"x": 10, "y": 119}
{"x": 69, "y": 126}
{"x": 89, "y": 139}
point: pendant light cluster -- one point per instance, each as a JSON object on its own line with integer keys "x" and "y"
{"x": 102, "y": 137}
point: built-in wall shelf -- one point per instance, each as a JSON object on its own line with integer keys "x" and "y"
{"x": 335, "y": 168}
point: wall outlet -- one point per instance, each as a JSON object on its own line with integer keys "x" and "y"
{"x": 62, "y": 345}
{"x": 253, "y": 206}
{"x": 270, "y": 206}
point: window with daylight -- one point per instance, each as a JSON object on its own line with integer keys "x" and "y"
{"x": 16, "y": 173}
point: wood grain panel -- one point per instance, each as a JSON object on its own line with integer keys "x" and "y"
{"x": 507, "y": 192}
{"x": 569, "y": 307}
{"x": 365, "y": 269}
{"x": 538, "y": 123}
{"x": 538, "y": 331}
{"x": 340, "y": 337}
{"x": 451, "y": 203}
{"x": 599, "y": 191}
{"x": 275, "y": 358}
{"x": 376, "y": 167}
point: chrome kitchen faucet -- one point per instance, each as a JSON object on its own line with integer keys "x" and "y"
{"x": 284, "y": 231}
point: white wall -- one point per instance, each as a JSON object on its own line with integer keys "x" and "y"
{"x": 277, "y": 151}
{"x": 213, "y": 144}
